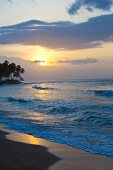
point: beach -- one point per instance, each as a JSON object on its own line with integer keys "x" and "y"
{"x": 25, "y": 152}
{"x": 20, "y": 156}
{"x": 57, "y": 126}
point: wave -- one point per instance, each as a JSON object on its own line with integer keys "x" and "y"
{"x": 62, "y": 110}
{"x": 11, "y": 99}
{"x": 42, "y": 88}
{"x": 106, "y": 93}
{"x": 94, "y": 120}
{"x": 19, "y": 100}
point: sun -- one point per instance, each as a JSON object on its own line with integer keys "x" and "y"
{"x": 42, "y": 60}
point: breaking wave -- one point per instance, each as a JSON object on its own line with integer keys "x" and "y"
{"x": 11, "y": 99}
{"x": 106, "y": 93}
{"x": 42, "y": 88}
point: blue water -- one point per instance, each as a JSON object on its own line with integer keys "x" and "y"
{"x": 76, "y": 113}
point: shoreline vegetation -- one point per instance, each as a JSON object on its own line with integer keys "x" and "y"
{"x": 10, "y": 73}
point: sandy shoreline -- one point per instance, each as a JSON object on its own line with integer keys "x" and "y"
{"x": 33, "y": 153}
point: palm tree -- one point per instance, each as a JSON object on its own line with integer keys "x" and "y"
{"x": 6, "y": 63}
{"x": 22, "y": 71}
{"x": 5, "y": 68}
{"x": 1, "y": 71}
{"x": 9, "y": 71}
{"x": 18, "y": 71}
{"x": 12, "y": 69}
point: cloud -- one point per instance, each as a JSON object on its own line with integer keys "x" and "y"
{"x": 80, "y": 61}
{"x": 90, "y": 5}
{"x": 38, "y": 61}
{"x": 60, "y": 35}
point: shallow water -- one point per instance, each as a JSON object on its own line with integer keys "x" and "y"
{"x": 76, "y": 113}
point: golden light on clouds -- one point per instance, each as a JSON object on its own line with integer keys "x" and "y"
{"x": 42, "y": 61}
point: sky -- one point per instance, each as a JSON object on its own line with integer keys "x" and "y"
{"x": 58, "y": 39}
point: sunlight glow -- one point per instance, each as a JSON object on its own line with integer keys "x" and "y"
{"x": 42, "y": 61}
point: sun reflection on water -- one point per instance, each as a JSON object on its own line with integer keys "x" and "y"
{"x": 24, "y": 138}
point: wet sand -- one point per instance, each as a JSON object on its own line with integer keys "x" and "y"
{"x": 25, "y": 152}
{"x": 21, "y": 156}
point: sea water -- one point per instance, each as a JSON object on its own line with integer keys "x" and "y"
{"x": 77, "y": 113}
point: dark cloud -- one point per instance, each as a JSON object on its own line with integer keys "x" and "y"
{"x": 90, "y": 5}
{"x": 80, "y": 61}
{"x": 60, "y": 35}
{"x": 38, "y": 61}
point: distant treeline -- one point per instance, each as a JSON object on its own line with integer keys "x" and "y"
{"x": 11, "y": 71}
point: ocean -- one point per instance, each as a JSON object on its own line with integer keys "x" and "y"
{"x": 78, "y": 113}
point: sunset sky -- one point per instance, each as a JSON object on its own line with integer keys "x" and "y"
{"x": 58, "y": 39}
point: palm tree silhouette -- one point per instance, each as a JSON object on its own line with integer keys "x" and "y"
{"x": 9, "y": 71}
{"x": 19, "y": 70}
{"x": 5, "y": 66}
{"x": 12, "y": 68}
{"x": 1, "y": 71}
